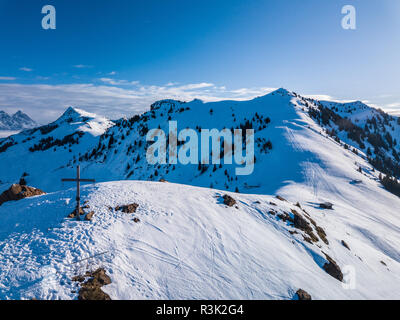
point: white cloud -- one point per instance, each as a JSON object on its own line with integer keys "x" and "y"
{"x": 46, "y": 102}
{"x": 395, "y": 105}
{"x": 81, "y": 66}
{"x": 8, "y": 78}
{"x": 325, "y": 97}
{"x": 195, "y": 86}
{"x": 26, "y": 69}
{"x": 116, "y": 82}
{"x": 109, "y": 81}
{"x": 392, "y": 108}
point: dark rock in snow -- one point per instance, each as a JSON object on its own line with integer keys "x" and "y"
{"x": 73, "y": 213}
{"x": 285, "y": 217}
{"x": 89, "y": 292}
{"x": 326, "y": 205}
{"x": 18, "y": 192}
{"x": 280, "y": 198}
{"x": 91, "y": 289}
{"x": 100, "y": 276}
{"x": 344, "y": 244}
{"x": 89, "y": 216}
{"x": 332, "y": 268}
{"x": 321, "y": 233}
{"x": 300, "y": 222}
{"x": 130, "y": 208}
{"x": 78, "y": 278}
{"x": 303, "y": 295}
{"x": 229, "y": 201}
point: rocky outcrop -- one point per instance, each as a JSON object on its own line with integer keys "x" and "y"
{"x": 332, "y": 268}
{"x": 73, "y": 213}
{"x": 18, "y": 192}
{"x": 280, "y": 198}
{"x": 300, "y": 223}
{"x": 344, "y": 244}
{"x": 326, "y": 205}
{"x": 303, "y": 295}
{"x": 129, "y": 208}
{"x": 91, "y": 289}
{"x": 229, "y": 201}
{"x": 89, "y": 216}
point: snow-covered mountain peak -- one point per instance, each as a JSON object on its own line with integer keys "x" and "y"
{"x": 196, "y": 101}
{"x": 74, "y": 114}
{"x": 83, "y": 121}
{"x": 19, "y": 113}
{"x": 165, "y": 103}
{"x": 18, "y": 121}
{"x": 282, "y": 91}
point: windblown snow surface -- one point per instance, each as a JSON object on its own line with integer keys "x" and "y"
{"x": 188, "y": 244}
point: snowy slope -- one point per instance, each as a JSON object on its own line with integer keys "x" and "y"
{"x": 7, "y": 133}
{"x": 188, "y": 245}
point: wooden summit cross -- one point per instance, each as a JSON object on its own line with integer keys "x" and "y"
{"x": 78, "y": 180}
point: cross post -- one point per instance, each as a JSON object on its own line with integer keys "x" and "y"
{"x": 78, "y": 180}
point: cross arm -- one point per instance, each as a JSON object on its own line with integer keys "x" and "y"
{"x": 76, "y": 180}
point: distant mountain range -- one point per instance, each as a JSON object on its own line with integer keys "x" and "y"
{"x": 18, "y": 121}
{"x": 116, "y": 150}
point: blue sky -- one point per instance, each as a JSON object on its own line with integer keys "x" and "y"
{"x": 116, "y": 57}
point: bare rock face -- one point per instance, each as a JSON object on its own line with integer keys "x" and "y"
{"x": 300, "y": 222}
{"x": 89, "y": 216}
{"x": 303, "y": 295}
{"x": 129, "y": 208}
{"x": 332, "y": 268}
{"x": 18, "y": 192}
{"x": 322, "y": 234}
{"x": 100, "y": 276}
{"x": 344, "y": 244}
{"x": 91, "y": 289}
{"x": 326, "y": 205}
{"x": 229, "y": 201}
{"x": 92, "y": 293}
